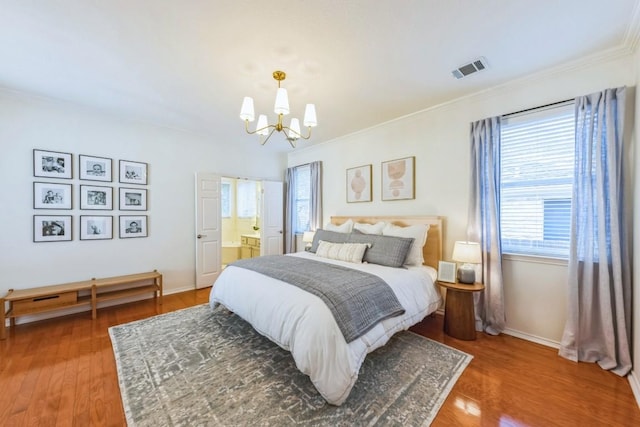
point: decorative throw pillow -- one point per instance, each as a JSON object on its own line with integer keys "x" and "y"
{"x": 384, "y": 250}
{"x": 418, "y": 233}
{"x": 346, "y": 227}
{"x": 350, "y": 252}
{"x": 327, "y": 236}
{"x": 369, "y": 228}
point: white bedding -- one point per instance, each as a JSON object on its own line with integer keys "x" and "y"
{"x": 302, "y": 323}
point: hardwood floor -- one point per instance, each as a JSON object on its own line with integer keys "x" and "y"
{"x": 61, "y": 372}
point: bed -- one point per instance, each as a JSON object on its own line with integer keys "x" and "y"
{"x": 302, "y": 323}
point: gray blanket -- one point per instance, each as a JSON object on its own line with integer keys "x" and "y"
{"x": 357, "y": 300}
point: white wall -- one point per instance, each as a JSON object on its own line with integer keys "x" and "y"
{"x": 173, "y": 157}
{"x": 439, "y": 139}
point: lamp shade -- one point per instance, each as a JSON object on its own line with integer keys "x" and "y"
{"x": 310, "y": 119}
{"x": 282, "y": 102}
{"x": 294, "y": 127}
{"x": 307, "y": 237}
{"x": 467, "y": 252}
{"x": 247, "y": 112}
{"x": 262, "y": 128}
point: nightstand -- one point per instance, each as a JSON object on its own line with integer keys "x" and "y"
{"x": 459, "y": 317}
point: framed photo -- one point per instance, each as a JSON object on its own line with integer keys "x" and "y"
{"x": 359, "y": 184}
{"x": 52, "y": 228}
{"x": 447, "y": 271}
{"x": 52, "y": 164}
{"x": 133, "y": 172}
{"x": 96, "y": 197}
{"x": 133, "y": 226}
{"x": 51, "y": 195}
{"x": 93, "y": 168}
{"x": 399, "y": 179}
{"x": 133, "y": 199}
{"x": 96, "y": 227}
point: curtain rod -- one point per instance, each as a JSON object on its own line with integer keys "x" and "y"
{"x": 536, "y": 108}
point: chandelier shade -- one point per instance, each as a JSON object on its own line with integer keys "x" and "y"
{"x": 281, "y": 108}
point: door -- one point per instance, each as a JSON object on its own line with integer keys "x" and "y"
{"x": 272, "y": 237}
{"x": 208, "y": 229}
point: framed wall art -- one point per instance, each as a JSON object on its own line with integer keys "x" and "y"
{"x": 52, "y": 228}
{"x": 359, "y": 184}
{"x": 398, "y": 179}
{"x": 52, "y": 164}
{"x": 51, "y": 195}
{"x": 133, "y": 199}
{"x": 133, "y": 172}
{"x": 96, "y": 197}
{"x": 96, "y": 227}
{"x": 93, "y": 168}
{"x": 133, "y": 226}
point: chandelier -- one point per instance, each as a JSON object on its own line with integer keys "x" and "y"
{"x": 281, "y": 108}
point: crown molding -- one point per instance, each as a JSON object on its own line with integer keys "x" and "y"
{"x": 632, "y": 36}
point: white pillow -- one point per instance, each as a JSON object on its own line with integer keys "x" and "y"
{"x": 350, "y": 252}
{"x": 369, "y": 228}
{"x": 344, "y": 228}
{"x": 419, "y": 234}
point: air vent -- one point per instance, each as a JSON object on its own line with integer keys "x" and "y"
{"x": 470, "y": 68}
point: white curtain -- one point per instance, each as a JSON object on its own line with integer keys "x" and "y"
{"x": 289, "y": 213}
{"x": 599, "y": 287}
{"x": 484, "y": 222}
{"x": 315, "y": 203}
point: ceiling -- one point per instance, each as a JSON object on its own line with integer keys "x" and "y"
{"x": 187, "y": 64}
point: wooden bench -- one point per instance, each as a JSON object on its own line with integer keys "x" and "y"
{"x": 24, "y": 302}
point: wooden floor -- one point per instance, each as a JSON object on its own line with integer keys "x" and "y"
{"x": 61, "y": 372}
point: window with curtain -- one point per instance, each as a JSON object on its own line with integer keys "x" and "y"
{"x": 302, "y": 199}
{"x": 247, "y": 199}
{"x": 537, "y": 165}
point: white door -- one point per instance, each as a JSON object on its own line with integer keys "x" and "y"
{"x": 272, "y": 236}
{"x": 208, "y": 229}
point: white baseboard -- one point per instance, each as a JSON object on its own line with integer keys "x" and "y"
{"x": 533, "y": 338}
{"x": 634, "y": 382}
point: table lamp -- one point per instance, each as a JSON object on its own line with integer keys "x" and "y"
{"x": 307, "y": 237}
{"x": 469, "y": 254}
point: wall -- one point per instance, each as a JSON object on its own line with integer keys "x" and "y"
{"x": 173, "y": 157}
{"x": 438, "y": 138}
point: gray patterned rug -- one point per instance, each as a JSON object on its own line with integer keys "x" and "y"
{"x": 195, "y": 367}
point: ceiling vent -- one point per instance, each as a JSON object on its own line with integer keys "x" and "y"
{"x": 470, "y": 68}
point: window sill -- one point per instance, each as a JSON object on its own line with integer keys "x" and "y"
{"x": 534, "y": 259}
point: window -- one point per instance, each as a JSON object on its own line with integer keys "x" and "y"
{"x": 226, "y": 199}
{"x": 302, "y": 198}
{"x": 537, "y": 164}
{"x": 247, "y": 197}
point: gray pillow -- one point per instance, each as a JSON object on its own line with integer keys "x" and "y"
{"x": 328, "y": 236}
{"x": 385, "y": 250}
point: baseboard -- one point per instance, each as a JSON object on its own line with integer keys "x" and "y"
{"x": 532, "y": 338}
{"x": 634, "y": 382}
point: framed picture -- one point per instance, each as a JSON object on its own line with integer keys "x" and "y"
{"x": 398, "y": 179}
{"x": 133, "y": 226}
{"x": 52, "y": 164}
{"x": 447, "y": 271}
{"x": 93, "y": 168}
{"x": 359, "y": 184}
{"x": 96, "y": 197}
{"x": 133, "y": 199}
{"x": 51, "y": 195}
{"x": 96, "y": 227}
{"x": 133, "y": 172}
{"x": 52, "y": 228}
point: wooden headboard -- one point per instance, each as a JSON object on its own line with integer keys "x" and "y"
{"x": 432, "y": 250}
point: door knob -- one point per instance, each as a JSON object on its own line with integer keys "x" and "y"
{"x": 200, "y": 236}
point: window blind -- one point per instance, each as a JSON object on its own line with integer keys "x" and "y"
{"x": 537, "y": 164}
{"x": 302, "y": 198}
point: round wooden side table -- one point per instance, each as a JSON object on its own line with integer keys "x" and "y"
{"x": 459, "y": 317}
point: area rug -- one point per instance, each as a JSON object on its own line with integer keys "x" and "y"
{"x": 198, "y": 367}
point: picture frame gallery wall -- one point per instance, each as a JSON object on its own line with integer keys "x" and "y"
{"x": 53, "y": 194}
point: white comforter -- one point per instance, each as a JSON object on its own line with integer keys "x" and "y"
{"x": 302, "y": 323}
